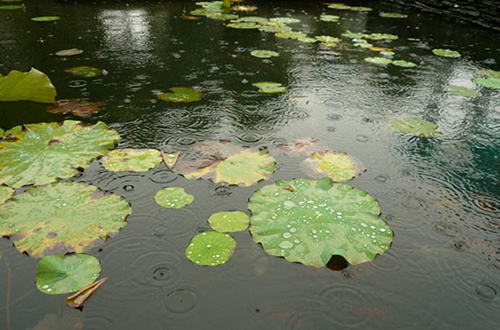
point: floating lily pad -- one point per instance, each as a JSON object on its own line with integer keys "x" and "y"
{"x": 173, "y": 198}
{"x": 222, "y": 17}
{"x": 210, "y": 248}
{"x": 363, "y": 44}
{"x": 264, "y": 53}
{"x": 393, "y": 15}
{"x": 41, "y": 153}
{"x": 290, "y": 35}
{"x": 69, "y": 52}
{"x": 404, "y": 64}
{"x": 303, "y": 147}
{"x": 387, "y": 53}
{"x": 488, "y": 73}
{"x": 382, "y": 36}
{"x": 243, "y": 25}
{"x": 5, "y": 193}
{"x": 378, "y": 60}
{"x": 267, "y": 87}
{"x": 181, "y": 94}
{"x": 75, "y": 107}
{"x": 62, "y": 217}
{"x": 131, "y": 160}
{"x": 339, "y": 6}
{"x": 356, "y": 8}
{"x": 66, "y": 274}
{"x": 462, "y": 91}
{"x": 446, "y": 53}
{"x": 251, "y": 19}
{"x": 226, "y": 222}
{"x": 488, "y": 82}
{"x": 416, "y": 127}
{"x": 244, "y": 8}
{"x": 307, "y": 40}
{"x": 84, "y": 71}
{"x": 285, "y": 20}
{"x": 12, "y": 7}
{"x": 309, "y": 221}
{"x": 27, "y": 86}
{"x": 329, "y": 18}
{"x": 336, "y": 165}
{"x": 275, "y": 29}
{"x": 354, "y": 35}
{"x": 45, "y": 19}
{"x": 327, "y": 40}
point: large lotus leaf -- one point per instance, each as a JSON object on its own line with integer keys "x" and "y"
{"x": 173, "y": 198}
{"x": 42, "y": 153}
{"x": 181, "y": 94}
{"x": 337, "y": 165}
{"x": 267, "y": 87}
{"x": 12, "y": 7}
{"x": 382, "y": 36}
{"x": 27, "y": 86}
{"x": 5, "y": 193}
{"x": 416, "y": 127}
{"x": 290, "y": 35}
{"x": 61, "y": 217}
{"x": 309, "y": 221}
{"x": 488, "y": 82}
{"x": 84, "y": 71}
{"x": 210, "y": 248}
{"x": 392, "y": 15}
{"x": 462, "y": 91}
{"x": 65, "y": 274}
{"x": 46, "y": 18}
{"x": 285, "y": 20}
{"x": 264, "y": 53}
{"x": 404, "y": 64}
{"x": 329, "y": 18}
{"x": 131, "y": 160}
{"x": 488, "y": 73}
{"x": 446, "y": 53}
{"x": 226, "y": 222}
{"x": 378, "y": 60}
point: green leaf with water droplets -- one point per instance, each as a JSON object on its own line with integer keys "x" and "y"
{"x": 416, "y": 127}
{"x": 226, "y": 222}
{"x": 66, "y": 274}
{"x": 173, "y": 198}
{"x": 27, "y": 86}
{"x": 84, "y": 71}
{"x": 5, "y": 193}
{"x": 337, "y": 165}
{"x": 46, "y": 18}
{"x": 404, "y": 64}
{"x": 267, "y": 87}
{"x": 62, "y": 217}
{"x": 264, "y": 53}
{"x": 42, "y": 153}
{"x": 134, "y": 160}
{"x": 309, "y": 221}
{"x": 181, "y": 94}
{"x": 210, "y": 248}
{"x": 488, "y": 82}
{"x": 462, "y": 91}
{"x": 392, "y": 15}
{"x": 378, "y": 60}
{"x": 446, "y": 53}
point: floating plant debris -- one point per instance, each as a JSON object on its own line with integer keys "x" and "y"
{"x": 69, "y": 52}
{"x": 84, "y": 71}
{"x": 46, "y": 18}
{"x": 264, "y": 53}
{"x": 392, "y": 15}
{"x": 75, "y": 107}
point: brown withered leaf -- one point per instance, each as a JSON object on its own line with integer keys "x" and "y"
{"x": 76, "y": 300}
{"x": 75, "y": 107}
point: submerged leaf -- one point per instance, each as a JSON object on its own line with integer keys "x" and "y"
{"x": 226, "y": 222}
{"x": 392, "y": 15}
{"x": 446, "y": 53}
{"x": 27, "y": 86}
{"x": 462, "y": 91}
{"x": 42, "y": 153}
{"x": 304, "y": 147}
{"x": 316, "y": 219}
{"x": 416, "y": 127}
{"x": 336, "y": 165}
{"x": 210, "y": 248}
{"x": 181, "y": 94}
{"x": 134, "y": 160}
{"x": 79, "y": 298}
{"x": 69, "y": 52}
{"x": 378, "y": 60}
{"x": 488, "y": 73}
{"x": 173, "y": 198}
{"x": 65, "y": 274}
{"x": 61, "y": 218}
{"x": 46, "y": 18}
{"x": 84, "y": 71}
{"x": 267, "y": 87}
{"x": 75, "y": 107}
{"x": 5, "y": 193}
{"x": 404, "y": 64}
{"x": 264, "y": 53}
{"x": 488, "y": 82}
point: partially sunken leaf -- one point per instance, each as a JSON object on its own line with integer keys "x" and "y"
{"x": 462, "y": 91}
{"x": 309, "y": 221}
{"x": 416, "y": 127}
{"x": 329, "y": 18}
{"x": 5, "y": 193}
{"x": 378, "y": 60}
{"x": 264, "y": 53}
{"x": 488, "y": 73}
{"x": 267, "y": 87}
{"x": 42, "y": 153}
{"x": 69, "y": 52}
{"x": 392, "y": 15}
{"x": 65, "y": 274}
{"x": 488, "y": 82}
{"x": 285, "y": 20}
{"x": 79, "y": 298}
{"x": 404, "y": 64}
{"x": 27, "y": 86}
{"x": 290, "y": 35}
{"x": 336, "y": 165}
{"x": 173, "y": 198}
{"x": 61, "y": 218}
{"x": 170, "y": 159}
{"x": 210, "y": 248}
{"x": 46, "y": 18}
{"x": 304, "y": 147}
{"x": 181, "y": 94}
{"x": 84, "y": 71}
{"x": 226, "y": 222}
{"x": 75, "y": 107}
{"x": 134, "y": 160}
{"x": 446, "y": 53}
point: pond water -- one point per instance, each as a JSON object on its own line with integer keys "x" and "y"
{"x": 441, "y": 196}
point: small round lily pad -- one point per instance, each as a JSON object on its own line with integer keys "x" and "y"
{"x": 416, "y": 127}
{"x": 286, "y": 20}
{"x": 290, "y": 35}
{"x": 404, "y": 64}
{"x": 392, "y": 15}
{"x": 65, "y": 274}
{"x": 131, "y": 160}
{"x": 181, "y": 94}
{"x": 462, "y": 91}
{"x": 446, "y": 53}
{"x": 382, "y": 36}
{"x": 173, "y": 198}
{"x": 5, "y": 193}
{"x": 226, "y": 222}
{"x": 337, "y": 165}
{"x": 69, "y": 52}
{"x": 210, "y": 248}
{"x": 243, "y": 25}
{"x": 46, "y": 18}
{"x": 264, "y": 53}
{"x": 84, "y": 71}
{"x": 267, "y": 87}
{"x": 329, "y": 18}
{"x": 378, "y": 60}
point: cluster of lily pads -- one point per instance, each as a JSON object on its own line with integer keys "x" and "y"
{"x": 22, "y": 6}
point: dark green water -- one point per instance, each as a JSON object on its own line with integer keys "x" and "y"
{"x": 441, "y": 196}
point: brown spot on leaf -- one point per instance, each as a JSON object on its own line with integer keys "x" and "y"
{"x": 54, "y": 142}
{"x": 289, "y": 188}
{"x": 10, "y": 138}
{"x": 51, "y": 234}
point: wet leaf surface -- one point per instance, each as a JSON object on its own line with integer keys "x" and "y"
{"x": 75, "y": 107}
{"x": 84, "y": 71}
{"x": 46, "y": 18}
{"x": 27, "y": 86}
{"x": 264, "y": 53}
{"x": 267, "y": 87}
{"x": 79, "y": 298}
{"x": 5, "y": 193}
{"x": 488, "y": 82}
{"x": 69, "y": 52}
{"x": 133, "y": 160}
{"x": 416, "y": 127}
{"x": 210, "y": 248}
{"x": 338, "y": 166}
{"x": 173, "y": 198}
{"x": 446, "y": 53}
{"x": 226, "y": 222}
{"x": 404, "y": 64}
{"x": 181, "y": 94}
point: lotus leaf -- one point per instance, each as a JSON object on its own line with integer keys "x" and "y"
{"x": 386, "y": 53}
{"x": 222, "y": 17}
{"x": 309, "y": 221}
{"x": 27, "y": 86}
{"x": 462, "y": 91}
{"x": 393, "y": 15}
{"x": 41, "y": 153}
{"x": 243, "y": 25}
{"x": 226, "y": 222}
{"x": 365, "y": 44}
{"x": 340, "y": 6}
{"x": 290, "y": 35}
{"x": 285, "y": 20}
{"x": 173, "y": 198}
{"x": 131, "y": 160}
{"x": 404, "y": 64}
{"x": 416, "y": 127}
{"x": 61, "y": 217}
{"x": 181, "y": 94}
{"x": 488, "y": 82}
{"x": 251, "y": 19}
{"x": 360, "y": 9}
{"x": 244, "y": 8}
{"x": 75, "y": 107}
{"x": 304, "y": 147}
{"x": 275, "y": 29}
{"x": 308, "y": 40}
{"x": 446, "y": 53}
{"x": 12, "y": 7}
{"x": 5, "y": 193}
{"x": 327, "y": 39}
{"x": 46, "y": 19}
{"x": 488, "y": 73}
{"x": 378, "y": 60}
{"x": 354, "y": 35}
{"x": 84, "y": 71}
{"x": 267, "y": 87}
{"x": 69, "y": 52}
{"x": 264, "y": 53}
{"x": 210, "y": 248}
{"x": 65, "y": 274}
{"x": 336, "y": 165}
{"x": 329, "y": 18}
{"x": 382, "y": 36}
